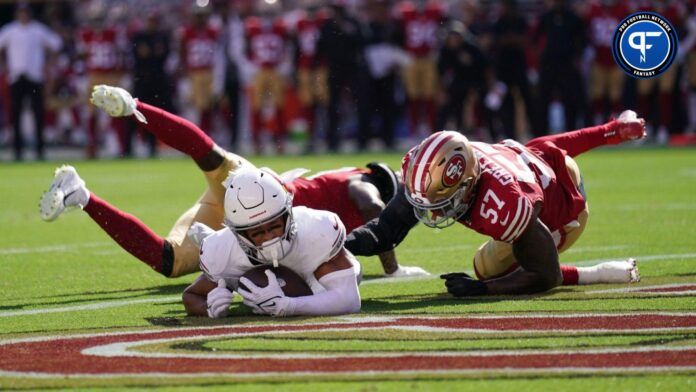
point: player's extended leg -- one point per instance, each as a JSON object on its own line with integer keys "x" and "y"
{"x": 175, "y": 131}
{"x": 494, "y": 259}
{"x": 68, "y": 191}
{"x": 627, "y": 127}
{"x": 173, "y": 256}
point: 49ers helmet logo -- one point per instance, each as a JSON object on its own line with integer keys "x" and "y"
{"x": 454, "y": 170}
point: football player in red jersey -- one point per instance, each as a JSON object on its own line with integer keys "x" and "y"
{"x": 528, "y": 198}
{"x": 266, "y": 48}
{"x": 103, "y": 49}
{"x": 198, "y": 43}
{"x": 606, "y": 79}
{"x": 356, "y": 195}
{"x": 177, "y": 254}
{"x": 420, "y": 23}
{"x": 312, "y": 74}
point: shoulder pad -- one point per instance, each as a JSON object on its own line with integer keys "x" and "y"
{"x": 321, "y": 233}
{"x": 215, "y": 252}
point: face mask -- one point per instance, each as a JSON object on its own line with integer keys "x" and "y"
{"x": 274, "y": 250}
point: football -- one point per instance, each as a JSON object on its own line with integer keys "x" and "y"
{"x": 291, "y": 283}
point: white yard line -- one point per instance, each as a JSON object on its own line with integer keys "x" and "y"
{"x": 644, "y": 288}
{"x": 53, "y": 248}
{"x": 91, "y": 306}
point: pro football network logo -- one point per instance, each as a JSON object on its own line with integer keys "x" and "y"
{"x": 644, "y": 44}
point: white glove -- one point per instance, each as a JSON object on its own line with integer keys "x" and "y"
{"x": 115, "y": 101}
{"x": 219, "y": 300}
{"x": 404, "y": 272}
{"x": 265, "y": 300}
{"x": 198, "y": 231}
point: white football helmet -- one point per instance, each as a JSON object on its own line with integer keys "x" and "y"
{"x": 253, "y": 198}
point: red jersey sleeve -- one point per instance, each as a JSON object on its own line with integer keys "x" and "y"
{"x": 502, "y": 212}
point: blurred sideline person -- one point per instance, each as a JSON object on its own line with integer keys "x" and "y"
{"x": 26, "y": 44}
{"x": 198, "y": 43}
{"x": 562, "y": 32}
{"x": 151, "y": 82}
{"x": 464, "y": 74}
{"x": 178, "y": 254}
{"x": 266, "y": 46}
{"x": 420, "y": 24}
{"x": 606, "y": 79}
{"x": 529, "y": 199}
{"x": 341, "y": 44}
{"x": 103, "y": 49}
{"x": 264, "y": 228}
{"x": 312, "y": 75}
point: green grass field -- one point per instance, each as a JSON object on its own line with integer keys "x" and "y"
{"x": 68, "y": 277}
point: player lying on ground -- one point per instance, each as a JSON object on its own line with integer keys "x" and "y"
{"x": 528, "y": 198}
{"x": 264, "y": 228}
{"x": 360, "y": 196}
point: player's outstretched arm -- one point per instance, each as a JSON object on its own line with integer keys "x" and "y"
{"x": 536, "y": 253}
{"x": 206, "y": 298}
{"x": 366, "y": 196}
{"x": 340, "y": 297}
{"x": 384, "y": 232}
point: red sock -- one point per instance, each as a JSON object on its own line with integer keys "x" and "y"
{"x": 577, "y": 142}
{"x": 570, "y": 275}
{"x": 177, "y": 132}
{"x": 129, "y": 232}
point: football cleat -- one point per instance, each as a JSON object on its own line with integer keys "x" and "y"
{"x": 626, "y": 128}
{"x": 115, "y": 101}
{"x": 407, "y": 272}
{"x": 624, "y": 271}
{"x": 67, "y": 192}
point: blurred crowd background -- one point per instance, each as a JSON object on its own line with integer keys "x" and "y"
{"x": 304, "y": 76}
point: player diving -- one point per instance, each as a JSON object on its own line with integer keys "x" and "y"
{"x": 264, "y": 228}
{"x": 529, "y": 199}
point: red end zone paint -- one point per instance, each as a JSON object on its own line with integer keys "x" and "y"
{"x": 62, "y": 356}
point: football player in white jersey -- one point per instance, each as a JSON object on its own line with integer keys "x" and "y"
{"x": 262, "y": 227}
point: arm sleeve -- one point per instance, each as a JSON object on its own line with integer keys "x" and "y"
{"x": 341, "y": 297}
{"x": 384, "y": 232}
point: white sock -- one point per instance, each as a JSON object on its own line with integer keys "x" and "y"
{"x": 624, "y": 271}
